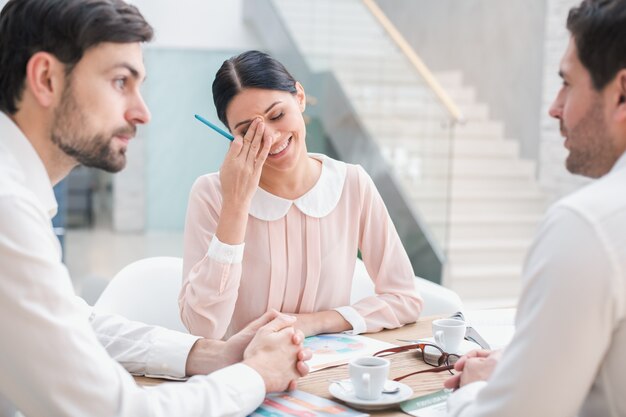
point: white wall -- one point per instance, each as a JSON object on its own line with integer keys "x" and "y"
{"x": 496, "y": 44}
{"x": 192, "y": 38}
{"x": 204, "y": 24}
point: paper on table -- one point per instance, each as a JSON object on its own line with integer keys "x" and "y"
{"x": 496, "y": 326}
{"x": 337, "y": 348}
{"x": 431, "y": 405}
{"x": 302, "y": 404}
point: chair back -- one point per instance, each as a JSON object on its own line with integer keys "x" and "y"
{"x": 437, "y": 299}
{"x": 147, "y": 291}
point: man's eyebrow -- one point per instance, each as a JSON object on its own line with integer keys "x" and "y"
{"x": 134, "y": 72}
{"x": 266, "y": 110}
{"x": 561, "y": 74}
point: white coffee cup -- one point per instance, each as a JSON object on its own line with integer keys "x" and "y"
{"x": 368, "y": 376}
{"x": 448, "y": 334}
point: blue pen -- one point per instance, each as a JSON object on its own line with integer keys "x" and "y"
{"x": 214, "y": 127}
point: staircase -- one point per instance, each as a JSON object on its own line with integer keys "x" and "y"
{"x": 467, "y": 182}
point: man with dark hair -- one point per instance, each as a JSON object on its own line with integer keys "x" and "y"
{"x": 70, "y": 72}
{"x": 567, "y": 355}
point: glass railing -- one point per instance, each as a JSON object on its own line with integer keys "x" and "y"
{"x": 382, "y": 88}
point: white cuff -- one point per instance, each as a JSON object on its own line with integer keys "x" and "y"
{"x": 246, "y": 382}
{"x": 463, "y": 397}
{"x": 224, "y": 253}
{"x": 168, "y": 354}
{"x": 354, "y": 318}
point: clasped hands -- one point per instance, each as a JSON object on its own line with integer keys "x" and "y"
{"x": 477, "y": 365}
{"x": 271, "y": 345}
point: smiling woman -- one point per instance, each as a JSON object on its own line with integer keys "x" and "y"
{"x": 302, "y": 217}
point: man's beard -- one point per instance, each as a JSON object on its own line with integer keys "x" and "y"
{"x": 592, "y": 151}
{"x": 69, "y": 133}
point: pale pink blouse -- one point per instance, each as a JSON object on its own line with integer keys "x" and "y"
{"x": 299, "y": 257}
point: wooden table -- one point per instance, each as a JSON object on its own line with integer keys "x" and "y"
{"x": 401, "y": 364}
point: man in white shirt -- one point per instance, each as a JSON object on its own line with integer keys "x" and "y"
{"x": 70, "y": 72}
{"x": 568, "y": 354}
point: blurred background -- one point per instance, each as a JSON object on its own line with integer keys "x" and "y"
{"x": 443, "y": 102}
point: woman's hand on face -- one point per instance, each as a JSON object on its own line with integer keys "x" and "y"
{"x": 241, "y": 170}
{"x": 239, "y": 176}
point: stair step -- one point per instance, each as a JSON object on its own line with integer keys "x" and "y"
{"x": 395, "y": 62}
{"x": 469, "y": 147}
{"x": 487, "y": 272}
{"x": 453, "y": 230}
{"x": 485, "y": 281}
{"x": 483, "y": 303}
{"x": 431, "y": 118}
{"x": 355, "y": 47}
{"x": 470, "y": 168}
{"x": 490, "y": 256}
{"x": 464, "y": 195}
{"x": 450, "y": 79}
{"x": 320, "y": 10}
{"x": 413, "y": 109}
{"x": 495, "y": 206}
{"x": 488, "y": 184}
{"x": 434, "y": 128}
{"x": 355, "y": 75}
{"x": 484, "y": 245}
{"x": 488, "y": 290}
{"x": 466, "y": 95}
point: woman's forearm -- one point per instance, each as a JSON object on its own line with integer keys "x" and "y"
{"x": 231, "y": 226}
{"x": 329, "y": 321}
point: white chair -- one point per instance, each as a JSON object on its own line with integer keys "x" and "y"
{"x": 438, "y": 300}
{"x": 147, "y": 291}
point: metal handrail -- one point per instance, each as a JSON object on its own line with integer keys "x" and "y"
{"x": 415, "y": 60}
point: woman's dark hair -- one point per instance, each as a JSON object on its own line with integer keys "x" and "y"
{"x": 251, "y": 69}
{"x": 599, "y": 30}
{"x": 64, "y": 28}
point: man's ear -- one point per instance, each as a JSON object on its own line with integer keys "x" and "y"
{"x": 300, "y": 96}
{"x": 45, "y": 75}
{"x": 620, "y": 80}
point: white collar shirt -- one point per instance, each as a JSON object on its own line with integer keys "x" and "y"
{"x": 567, "y": 355}
{"x": 61, "y": 358}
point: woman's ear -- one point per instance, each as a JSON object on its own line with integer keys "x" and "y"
{"x": 45, "y": 76}
{"x": 300, "y": 96}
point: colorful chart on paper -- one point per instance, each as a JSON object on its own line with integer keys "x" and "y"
{"x": 302, "y": 404}
{"x": 330, "y": 344}
{"x": 337, "y": 349}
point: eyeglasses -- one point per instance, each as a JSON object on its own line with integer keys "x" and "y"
{"x": 442, "y": 361}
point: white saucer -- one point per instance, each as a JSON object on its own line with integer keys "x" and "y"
{"x": 385, "y": 401}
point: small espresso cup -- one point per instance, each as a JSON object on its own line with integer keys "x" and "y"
{"x": 368, "y": 376}
{"x": 449, "y": 334}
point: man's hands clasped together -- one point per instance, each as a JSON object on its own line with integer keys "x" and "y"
{"x": 270, "y": 345}
{"x": 277, "y": 354}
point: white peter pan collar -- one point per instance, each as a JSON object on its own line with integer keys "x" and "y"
{"x": 318, "y": 202}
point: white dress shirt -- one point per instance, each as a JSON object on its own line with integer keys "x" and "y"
{"x": 568, "y": 355}
{"x": 60, "y": 358}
